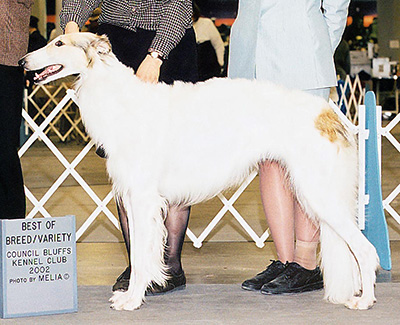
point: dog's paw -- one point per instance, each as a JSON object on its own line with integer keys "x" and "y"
{"x": 360, "y": 303}
{"x": 125, "y": 301}
{"x": 116, "y": 295}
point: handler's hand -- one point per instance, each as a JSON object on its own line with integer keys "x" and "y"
{"x": 149, "y": 69}
{"x": 71, "y": 27}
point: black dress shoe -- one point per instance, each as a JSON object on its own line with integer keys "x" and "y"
{"x": 122, "y": 282}
{"x": 294, "y": 279}
{"x": 101, "y": 152}
{"x": 175, "y": 282}
{"x": 270, "y": 273}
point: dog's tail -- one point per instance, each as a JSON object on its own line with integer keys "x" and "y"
{"x": 341, "y": 275}
{"x": 341, "y": 270}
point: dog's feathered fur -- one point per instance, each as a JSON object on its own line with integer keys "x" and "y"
{"x": 185, "y": 143}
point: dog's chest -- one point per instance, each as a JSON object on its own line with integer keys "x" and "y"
{"x": 98, "y": 114}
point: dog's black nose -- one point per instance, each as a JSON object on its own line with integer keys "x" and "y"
{"x": 22, "y": 62}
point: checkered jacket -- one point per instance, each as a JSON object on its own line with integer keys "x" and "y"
{"x": 169, "y": 18}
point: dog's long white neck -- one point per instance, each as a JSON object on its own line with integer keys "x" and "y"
{"x": 100, "y": 90}
{"x": 108, "y": 92}
{"x": 108, "y": 68}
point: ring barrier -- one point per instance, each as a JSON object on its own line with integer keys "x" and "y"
{"x": 39, "y": 132}
{"x": 374, "y": 224}
{"x": 351, "y": 96}
{"x": 54, "y": 108}
{"x": 42, "y": 100}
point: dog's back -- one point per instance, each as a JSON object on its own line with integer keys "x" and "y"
{"x": 234, "y": 122}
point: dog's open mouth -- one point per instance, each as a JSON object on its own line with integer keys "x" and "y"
{"x": 47, "y": 72}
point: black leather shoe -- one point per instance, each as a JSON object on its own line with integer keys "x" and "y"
{"x": 122, "y": 282}
{"x": 294, "y": 279}
{"x": 174, "y": 283}
{"x": 100, "y": 151}
{"x": 270, "y": 273}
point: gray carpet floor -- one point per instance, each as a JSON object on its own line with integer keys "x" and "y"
{"x": 224, "y": 304}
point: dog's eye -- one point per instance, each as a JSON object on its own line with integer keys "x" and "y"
{"x": 59, "y": 43}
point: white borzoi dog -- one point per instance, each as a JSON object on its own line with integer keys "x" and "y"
{"x": 186, "y": 143}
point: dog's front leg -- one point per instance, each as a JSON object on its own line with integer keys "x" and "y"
{"x": 147, "y": 238}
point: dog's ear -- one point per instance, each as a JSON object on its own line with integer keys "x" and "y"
{"x": 102, "y": 44}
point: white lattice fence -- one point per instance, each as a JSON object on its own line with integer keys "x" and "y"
{"x": 42, "y": 100}
{"x": 63, "y": 106}
{"x": 387, "y": 132}
{"x": 39, "y": 133}
{"x": 352, "y": 96}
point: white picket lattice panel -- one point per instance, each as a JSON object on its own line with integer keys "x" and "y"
{"x": 42, "y": 100}
{"x": 386, "y": 132}
{"x": 353, "y": 96}
{"x": 39, "y": 133}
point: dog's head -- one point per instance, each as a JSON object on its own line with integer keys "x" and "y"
{"x": 66, "y": 55}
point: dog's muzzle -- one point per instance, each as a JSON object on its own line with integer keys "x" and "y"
{"x": 43, "y": 73}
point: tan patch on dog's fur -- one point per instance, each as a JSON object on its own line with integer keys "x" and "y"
{"x": 329, "y": 125}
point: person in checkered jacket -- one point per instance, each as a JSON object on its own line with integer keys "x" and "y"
{"x": 156, "y": 39}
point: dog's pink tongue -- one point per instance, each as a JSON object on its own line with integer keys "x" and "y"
{"x": 47, "y": 72}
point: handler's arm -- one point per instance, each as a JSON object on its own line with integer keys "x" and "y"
{"x": 217, "y": 42}
{"x": 335, "y": 14}
{"x": 75, "y": 13}
{"x": 71, "y": 27}
{"x": 177, "y": 16}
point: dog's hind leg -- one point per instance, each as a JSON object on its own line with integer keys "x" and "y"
{"x": 342, "y": 282}
{"x": 365, "y": 257}
{"x": 368, "y": 263}
{"x": 147, "y": 236}
{"x": 349, "y": 260}
{"x": 336, "y": 258}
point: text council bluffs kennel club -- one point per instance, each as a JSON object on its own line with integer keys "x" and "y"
{"x": 39, "y": 259}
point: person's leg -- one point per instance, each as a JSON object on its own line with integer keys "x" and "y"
{"x": 123, "y": 220}
{"x": 307, "y": 238}
{"x": 285, "y": 217}
{"x": 176, "y": 224}
{"x": 12, "y": 196}
{"x": 278, "y": 204}
{"x": 122, "y": 282}
{"x": 277, "y": 200}
{"x": 306, "y": 232}
{"x": 302, "y": 274}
